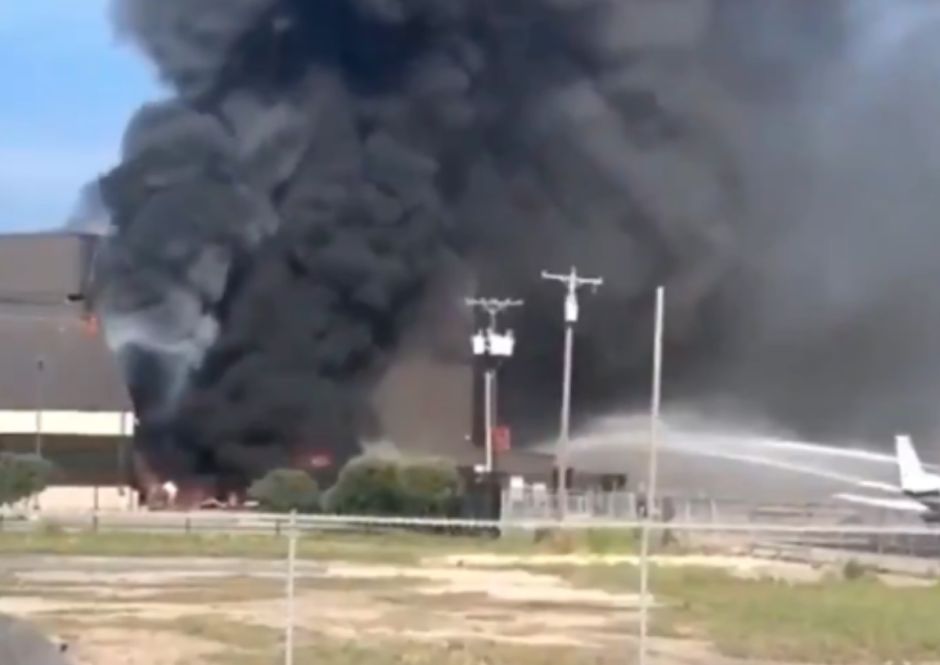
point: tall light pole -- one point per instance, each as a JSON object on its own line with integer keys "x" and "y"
{"x": 40, "y": 403}
{"x": 573, "y": 282}
{"x": 652, "y": 471}
{"x": 492, "y": 347}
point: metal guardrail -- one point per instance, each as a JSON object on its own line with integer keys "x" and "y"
{"x": 623, "y": 505}
{"x": 182, "y": 522}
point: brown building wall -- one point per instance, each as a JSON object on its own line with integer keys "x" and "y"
{"x": 44, "y": 267}
{"x": 80, "y": 461}
{"x": 52, "y": 356}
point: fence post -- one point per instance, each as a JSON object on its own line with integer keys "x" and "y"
{"x": 291, "y": 558}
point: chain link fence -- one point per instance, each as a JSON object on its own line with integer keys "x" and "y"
{"x": 313, "y": 568}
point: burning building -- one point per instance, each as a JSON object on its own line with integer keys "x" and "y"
{"x": 292, "y": 227}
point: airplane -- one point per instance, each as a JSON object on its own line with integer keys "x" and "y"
{"x": 916, "y": 482}
{"x": 920, "y": 486}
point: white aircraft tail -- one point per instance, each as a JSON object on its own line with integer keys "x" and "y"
{"x": 913, "y": 476}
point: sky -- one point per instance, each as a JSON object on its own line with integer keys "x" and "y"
{"x": 68, "y": 85}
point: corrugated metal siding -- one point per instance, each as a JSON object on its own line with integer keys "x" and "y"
{"x": 44, "y": 267}
{"x": 50, "y": 358}
{"x": 56, "y": 362}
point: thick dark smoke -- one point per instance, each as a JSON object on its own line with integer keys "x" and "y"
{"x": 278, "y": 221}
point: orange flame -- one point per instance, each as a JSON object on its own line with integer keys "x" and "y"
{"x": 90, "y": 323}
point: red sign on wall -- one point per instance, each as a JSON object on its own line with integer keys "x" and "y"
{"x": 502, "y": 439}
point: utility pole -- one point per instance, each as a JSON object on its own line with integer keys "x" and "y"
{"x": 652, "y": 471}
{"x": 493, "y": 347}
{"x": 573, "y": 282}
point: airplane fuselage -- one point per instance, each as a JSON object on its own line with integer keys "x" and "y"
{"x": 931, "y": 503}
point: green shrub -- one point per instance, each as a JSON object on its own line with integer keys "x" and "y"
{"x": 284, "y": 490}
{"x": 854, "y": 570}
{"x": 383, "y": 485}
{"x": 612, "y": 541}
{"x": 22, "y": 476}
{"x": 557, "y": 541}
{"x": 430, "y": 487}
{"x": 50, "y": 529}
{"x": 367, "y": 485}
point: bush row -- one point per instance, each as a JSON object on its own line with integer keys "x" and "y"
{"x": 22, "y": 476}
{"x": 367, "y": 485}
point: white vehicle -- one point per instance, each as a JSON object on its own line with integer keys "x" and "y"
{"x": 920, "y": 486}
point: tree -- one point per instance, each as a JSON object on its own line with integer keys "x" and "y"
{"x": 367, "y": 485}
{"x": 284, "y": 490}
{"x": 430, "y": 487}
{"x": 384, "y": 485}
{"x": 22, "y": 476}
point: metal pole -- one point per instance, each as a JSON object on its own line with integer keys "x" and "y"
{"x": 122, "y": 450}
{"x": 40, "y": 399}
{"x": 651, "y": 474}
{"x": 291, "y": 563}
{"x": 491, "y": 356}
{"x": 488, "y": 417}
{"x": 572, "y": 283}
{"x": 565, "y": 430}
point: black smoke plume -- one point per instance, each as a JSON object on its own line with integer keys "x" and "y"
{"x": 278, "y": 221}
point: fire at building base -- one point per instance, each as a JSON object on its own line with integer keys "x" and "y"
{"x": 63, "y": 396}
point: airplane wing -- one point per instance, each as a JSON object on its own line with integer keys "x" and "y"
{"x": 882, "y": 487}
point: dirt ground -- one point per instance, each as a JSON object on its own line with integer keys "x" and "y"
{"x": 208, "y": 612}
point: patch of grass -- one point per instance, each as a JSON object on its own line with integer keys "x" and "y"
{"x": 566, "y": 541}
{"x": 387, "y": 548}
{"x": 92, "y": 614}
{"x": 12, "y": 586}
{"x": 48, "y": 528}
{"x": 616, "y": 578}
{"x": 368, "y": 584}
{"x": 244, "y": 589}
{"x": 392, "y": 547}
{"x": 139, "y": 545}
{"x": 846, "y": 618}
{"x": 331, "y": 651}
{"x": 210, "y": 627}
{"x": 57, "y": 624}
{"x": 234, "y": 589}
{"x": 437, "y": 601}
{"x": 835, "y": 621}
{"x": 220, "y": 590}
{"x": 52, "y": 593}
{"x": 839, "y": 621}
